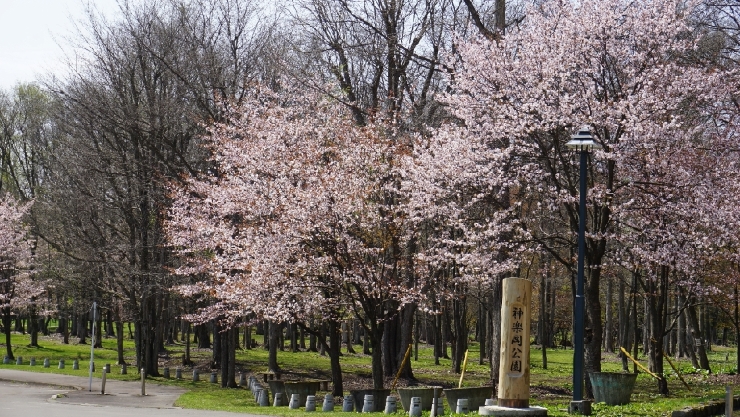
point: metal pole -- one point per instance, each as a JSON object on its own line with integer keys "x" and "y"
{"x": 92, "y": 344}
{"x": 579, "y": 302}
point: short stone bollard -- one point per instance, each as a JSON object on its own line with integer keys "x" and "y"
{"x": 124, "y": 369}
{"x": 348, "y": 405}
{"x": 277, "y": 399}
{"x": 328, "y": 403}
{"x": 6, "y": 360}
{"x": 76, "y": 364}
{"x": 61, "y": 364}
{"x": 166, "y": 373}
{"x": 368, "y": 405}
{"x": 264, "y": 398}
{"x": 491, "y": 401}
{"x": 257, "y": 389}
{"x": 106, "y": 368}
{"x": 415, "y": 407}
{"x": 295, "y": 401}
{"x": 32, "y": 362}
{"x": 19, "y": 360}
{"x": 462, "y": 406}
{"x": 242, "y": 379}
{"x": 196, "y": 375}
{"x": 310, "y": 403}
{"x": 214, "y": 377}
{"x": 178, "y": 373}
{"x": 390, "y": 405}
{"x": 46, "y": 362}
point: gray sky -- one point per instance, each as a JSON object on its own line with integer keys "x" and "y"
{"x": 31, "y": 32}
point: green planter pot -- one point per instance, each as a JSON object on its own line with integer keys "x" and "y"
{"x": 612, "y": 388}
{"x": 302, "y": 388}
{"x": 379, "y": 396}
{"x": 278, "y": 386}
{"x": 476, "y": 396}
{"x": 425, "y": 393}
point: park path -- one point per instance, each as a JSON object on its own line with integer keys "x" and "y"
{"x": 29, "y": 392}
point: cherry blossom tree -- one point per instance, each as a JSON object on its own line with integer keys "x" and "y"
{"x": 621, "y": 68}
{"x": 301, "y": 216}
{"x": 17, "y": 288}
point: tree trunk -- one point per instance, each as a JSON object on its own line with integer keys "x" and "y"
{"x": 593, "y": 333}
{"x": 204, "y": 339}
{"x": 608, "y": 338}
{"x": 33, "y": 327}
{"x": 460, "y": 333}
{"x": 542, "y": 319}
{"x": 495, "y": 311}
{"x": 335, "y": 352}
{"x": 657, "y": 296}
{"x": 274, "y": 331}
{"x": 693, "y": 324}
{"x": 376, "y": 344}
{"x": 119, "y": 342}
{"x": 7, "y": 322}
{"x": 218, "y": 338}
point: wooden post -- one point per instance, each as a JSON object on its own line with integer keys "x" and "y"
{"x": 513, "y": 377}
{"x": 728, "y": 401}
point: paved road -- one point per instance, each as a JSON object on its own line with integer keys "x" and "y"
{"x": 30, "y": 394}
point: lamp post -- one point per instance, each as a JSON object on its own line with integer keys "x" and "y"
{"x": 583, "y": 142}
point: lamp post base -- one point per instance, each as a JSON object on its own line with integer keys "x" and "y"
{"x": 582, "y": 407}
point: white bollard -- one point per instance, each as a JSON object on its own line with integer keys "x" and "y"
{"x": 462, "y": 406}
{"x": 242, "y": 379}
{"x": 75, "y": 364}
{"x": 390, "y": 405}
{"x": 166, "y": 372}
{"x": 196, "y": 375}
{"x": 32, "y": 362}
{"x": 19, "y": 360}
{"x": 102, "y": 383}
{"x": 264, "y": 398}
{"x": 143, "y": 382}
{"x": 61, "y": 363}
{"x": 310, "y": 403}
{"x": 256, "y": 391}
{"x": 490, "y": 401}
{"x": 328, "y": 403}
{"x": 124, "y": 369}
{"x": 348, "y": 405}
{"x": 46, "y": 362}
{"x": 277, "y": 399}
{"x": 368, "y": 406}
{"x": 295, "y": 401}
{"x": 415, "y": 407}
{"x": 214, "y": 377}
{"x": 178, "y": 373}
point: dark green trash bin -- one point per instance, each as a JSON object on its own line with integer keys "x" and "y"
{"x": 612, "y": 388}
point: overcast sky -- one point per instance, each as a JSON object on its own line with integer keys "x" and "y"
{"x": 31, "y": 32}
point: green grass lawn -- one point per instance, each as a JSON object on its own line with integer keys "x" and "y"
{"x": 550, "y": 387}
